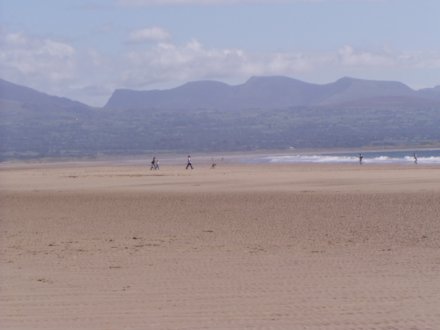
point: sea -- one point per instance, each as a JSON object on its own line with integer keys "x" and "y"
{"x": 425, "y": 156}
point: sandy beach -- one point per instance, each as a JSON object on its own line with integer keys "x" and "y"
{"x": 93, "y": 246}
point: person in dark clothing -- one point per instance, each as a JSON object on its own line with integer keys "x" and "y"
{"x": 189, "y": 163}
{"x": 154, "y": 164}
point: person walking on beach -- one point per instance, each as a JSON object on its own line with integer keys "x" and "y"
{"x": 156, "y": 167}
{"x": 189, "y": 164}
{"x": 415, "y": 158}
{"x": 361, "y": 157}
{"x": 153, "y": 164}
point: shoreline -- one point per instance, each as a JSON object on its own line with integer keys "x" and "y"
{"x": 204, "y": 158}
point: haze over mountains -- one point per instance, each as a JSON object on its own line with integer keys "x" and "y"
{"x": 262, "y": 113}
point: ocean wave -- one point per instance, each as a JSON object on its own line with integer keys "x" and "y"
{"x": 345, "y": 159}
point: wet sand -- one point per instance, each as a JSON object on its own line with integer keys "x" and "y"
{"x": 337, "y": 247}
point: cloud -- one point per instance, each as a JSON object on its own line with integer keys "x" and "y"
{"x": 167, "y": 63}
{"x": 148, "y": 34}
{"x": 194, "y": 60}
{"x": 53, "y": 66}
{"x": 30, "y": 56}
{"x": 420, "y": 60}
{"x": 348, "y": 56}
{"x": 170, "y": 62}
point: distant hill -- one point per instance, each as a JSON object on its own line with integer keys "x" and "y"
{"x": 431, "y": 93}
{"x": 209, "y": 116}
{"x": 34, "y": 124}
{"x": 267, "y": 92}
{"x": 29, "y": 97}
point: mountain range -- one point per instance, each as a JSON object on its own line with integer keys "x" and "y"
{"x": 210, "y": 116}
{"x": 271, "y": 92}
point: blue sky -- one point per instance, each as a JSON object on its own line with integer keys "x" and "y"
{"x": 86, "y": 49}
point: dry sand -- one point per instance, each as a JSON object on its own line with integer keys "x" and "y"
{"x": 237, "y": 247}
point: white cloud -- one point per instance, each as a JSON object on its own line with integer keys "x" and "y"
{"x": 52, "y": 66}
{"x": 348, "y": 56}
{"x": 420, "y": 60}
{"x": 191, "y": 61}
{"x": 148, "y": 34}
{"x": 56, "y": 49}
{"x": 170, "y": 62}
{"x": 37, "y": 56}
{"x": 167, "y": 64}
{"x": 16, "y": 39}
{"x": 386, "y": 59}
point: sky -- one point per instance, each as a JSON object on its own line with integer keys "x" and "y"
{"x": 85, "y": 49}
